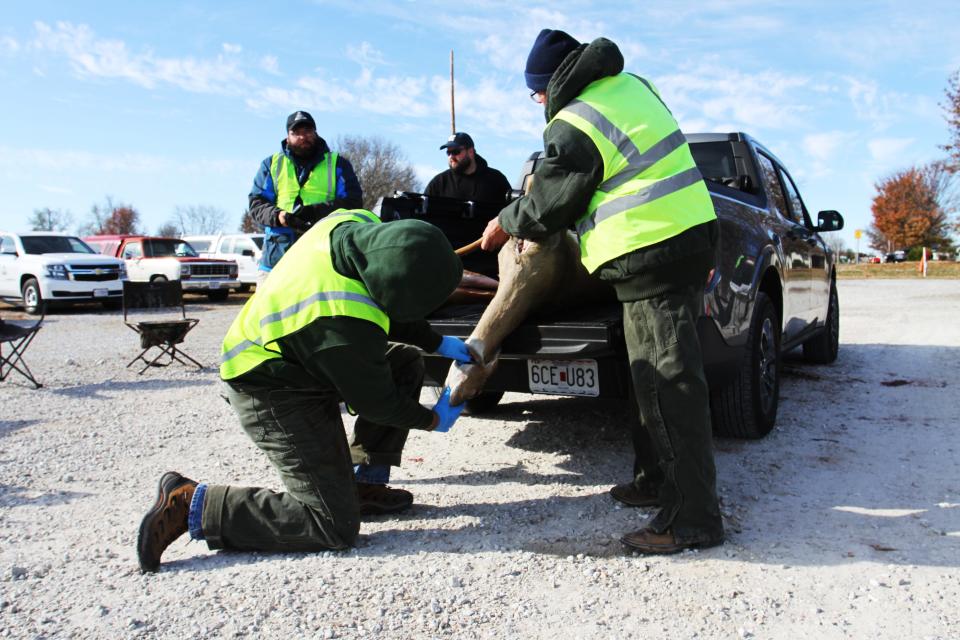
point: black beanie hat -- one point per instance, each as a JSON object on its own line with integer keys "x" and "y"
{"x": 549, "y": 50}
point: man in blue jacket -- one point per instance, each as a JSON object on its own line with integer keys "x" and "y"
{"x": 297, "y": 186}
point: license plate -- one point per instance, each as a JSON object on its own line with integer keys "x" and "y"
{"x": 213, "y": 285}
{"x": 100, "y": 293}
{"x": 564, "y": 377}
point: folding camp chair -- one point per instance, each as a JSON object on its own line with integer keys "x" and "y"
{"x": 16, "y": 335}
{"x": 158, "y": 301}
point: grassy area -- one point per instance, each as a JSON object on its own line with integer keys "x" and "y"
{"x": 935, "y": 269}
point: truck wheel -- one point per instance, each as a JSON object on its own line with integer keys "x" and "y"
{"x": 747, "y": 406}
{"x": 113, "y": 305}
{"x": 484, "y": 402}
{"x": 824, "y": 347}
{"x": 158, "y": 279}
{"x": 33, "y": 302}
{"x": 218, "y": 296}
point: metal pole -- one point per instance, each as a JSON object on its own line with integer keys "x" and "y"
{"x": 453, "y": 112}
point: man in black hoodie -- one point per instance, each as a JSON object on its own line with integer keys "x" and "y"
{"x": 619, "y": 170}
{"x": 334, "y": 322}
{"x": 470, "y": 178}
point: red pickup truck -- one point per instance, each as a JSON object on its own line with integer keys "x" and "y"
{"x": 151, "y": 258}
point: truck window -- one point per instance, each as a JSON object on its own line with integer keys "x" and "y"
{"x": 772, "y": 181}
{"x": 258, "y": 240}
{"x": 167, "y": 247}
{"x": 7, "y": 246}
{"x": 200, "y": 245}
{"x": 132, "y": 250}
{"x": 38, "y": 245}
{"x": 227, "y": 246}
{"x": 797, "y": 212}
{"x": 716, "y": 162}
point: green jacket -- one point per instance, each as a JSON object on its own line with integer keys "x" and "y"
{"x": 570, "y": 173}
{"x": 347, "y": 355}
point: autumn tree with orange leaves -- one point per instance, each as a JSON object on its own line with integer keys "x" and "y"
{"x": 912, "y": 209}
{"x": 112, "y": 218}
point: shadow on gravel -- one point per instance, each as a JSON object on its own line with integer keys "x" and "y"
{"x": 9, "y": 426}
{"x": 95, "y": 390}
{"x": 14, "y": 496}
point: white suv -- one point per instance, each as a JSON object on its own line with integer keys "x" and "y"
{"x": 41, "y": 267}
{"x": 245, "y": 248}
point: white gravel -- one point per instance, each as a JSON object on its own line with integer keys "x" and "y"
{"x": 843, "y": 523}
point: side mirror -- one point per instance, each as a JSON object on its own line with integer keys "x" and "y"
{"x": 829, "y": 221}
{"x": 247, "y": 253}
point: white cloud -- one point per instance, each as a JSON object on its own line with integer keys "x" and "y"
{"x": 121, "y": 163}
{"x": 229, "y": 47}
{"x": 270, "y": 64}
{"x": 888, "y": 150}
{"x": 91, "y": 56}
{"x": 365, "y": 54}
{"x": 9, "y": 45}
{"x": 824, "y": 151}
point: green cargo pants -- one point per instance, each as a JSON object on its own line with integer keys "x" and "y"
{"x": 672, "y": 441}
{"x": 301, "y": 432}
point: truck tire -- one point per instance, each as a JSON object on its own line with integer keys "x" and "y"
{"x": 747, "y": 406}
{"x": 33, "y": 302}
{"x": 484, "y": 402}
{"x": 158, "y": 279}
{"x": 824, "y": 347}
{"x": 219, "y": 295}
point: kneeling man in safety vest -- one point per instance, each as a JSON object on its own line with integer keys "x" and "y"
{"x": 618, "y": 168}
{"x": 333, "y": 323}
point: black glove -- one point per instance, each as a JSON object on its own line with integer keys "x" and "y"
{"x": 296, "y": 222}
{"x": 310, "y": 213}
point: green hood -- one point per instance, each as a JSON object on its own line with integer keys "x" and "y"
{"x": 583, "y": 65}
{"x": 408, "y": 266}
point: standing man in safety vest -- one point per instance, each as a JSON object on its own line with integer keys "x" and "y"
{"x": 333, "y": 323}
{"x": 618, "y": 168}
{"x": 297, "y": 186}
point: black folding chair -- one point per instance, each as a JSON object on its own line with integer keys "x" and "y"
{"x": 16, "y": 336}
{"x": 158, "y": 301}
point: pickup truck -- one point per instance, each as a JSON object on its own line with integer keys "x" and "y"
{"x": 39, "y": 268}
{"x": 773, "y": 289}
{"x": 245, "y": 248}
{"x": 153, "y": 258}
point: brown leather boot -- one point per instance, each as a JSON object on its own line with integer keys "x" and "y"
{"x": 631, "y": 495}
{"x": 648, "y": 541}
{"x": 166, "y": 521}
{"x": 378, "y": 499}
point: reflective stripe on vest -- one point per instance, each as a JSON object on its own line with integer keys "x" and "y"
{"x": 302, "y": 287}
{"x": 651, "y": 188}
{"x": 321, "y": 184}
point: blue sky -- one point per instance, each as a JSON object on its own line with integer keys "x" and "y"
{"x": 175, "y": 103}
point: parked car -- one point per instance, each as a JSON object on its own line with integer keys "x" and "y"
{"x": 39, "y": 268}
{"x": 244, "y": 248}
{"x": 152, "y": 258}
{"x": 896, "y": 256}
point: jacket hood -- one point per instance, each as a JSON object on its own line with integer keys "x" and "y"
{"x": 481, "y": 163}
{"x": 583, "y": 65}
{"x": 408, "y": 266}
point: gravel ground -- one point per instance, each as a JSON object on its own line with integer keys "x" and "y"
{"x": 843, "y": 522}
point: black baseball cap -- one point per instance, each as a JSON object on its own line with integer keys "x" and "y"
{"x": 459, "y": 139}
{"x": 300, "y": 117}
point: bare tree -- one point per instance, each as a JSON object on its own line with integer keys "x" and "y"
{"x": 248, "y": 224}
{"x": 168, "y": 230}
{"x": 111, "y": 218}
{"x": 48, "y": 219}
{"x": 380, "y": 166}
{"x": 952, "y": 112}
{"x": 835, "y": 243}
{"x": 198, "y": 219}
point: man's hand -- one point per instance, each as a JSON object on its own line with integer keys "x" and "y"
{"x": 455, "y": 349}
{"x": 494, "y": 236}
{"x": 445, "y": 414}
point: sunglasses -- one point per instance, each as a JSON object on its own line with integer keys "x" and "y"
{"x": 455, "y": 151}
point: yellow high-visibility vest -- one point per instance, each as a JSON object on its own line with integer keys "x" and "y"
{"x": 321, "y": 184}
{"x": 302, "y": 287}
{"x": 651, "y": 188}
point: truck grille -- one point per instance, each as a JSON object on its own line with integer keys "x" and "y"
{"x": 94, "y": 272}
{"x": 220, "y": 270}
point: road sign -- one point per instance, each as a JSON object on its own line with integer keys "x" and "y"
{"x": 857, "y": 233}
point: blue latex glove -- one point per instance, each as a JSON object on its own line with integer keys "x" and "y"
{"x": 448, "y": 415}
{"x": 455, "y": 349}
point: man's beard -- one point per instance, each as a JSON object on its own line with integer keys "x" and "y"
{"x": 462, "y": 167}
{"x": 304, "y": 151}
